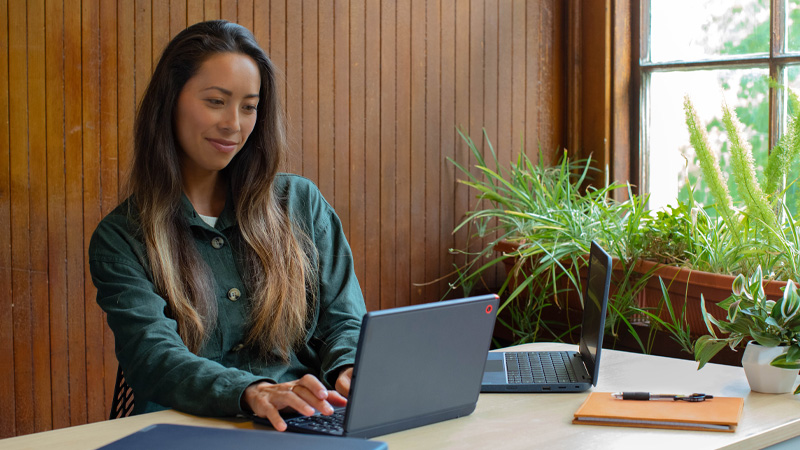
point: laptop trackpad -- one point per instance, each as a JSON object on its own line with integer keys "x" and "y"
{"x": 494, "y": 372}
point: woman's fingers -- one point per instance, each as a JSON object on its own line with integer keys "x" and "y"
{"x": 310, "y": 400}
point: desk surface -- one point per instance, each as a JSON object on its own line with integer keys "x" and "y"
{"x": 527, "y": 420}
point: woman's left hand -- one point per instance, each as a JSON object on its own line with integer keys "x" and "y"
{"x": 343, "y": 381}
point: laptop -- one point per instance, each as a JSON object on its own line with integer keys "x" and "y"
{"x": 185, "y": 437}
{"x": 560, "y": 371}
{"x": 414, "y": 366}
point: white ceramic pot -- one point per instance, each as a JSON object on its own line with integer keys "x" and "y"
{"x": 761, "y": 375}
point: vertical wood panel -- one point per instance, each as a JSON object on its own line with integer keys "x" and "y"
{"x": 20, "y": 220}
{"x": 325, "y": 81}
{"x": 417, "y": 180}
{"x": 403, "y": 241}
{"x": 244, "y": 14}
{"x": 388, "y": 181}
{"x": 373, "y": 91}
{"x": 294, "y": 85}
{"x": 74, "y": 216}
{"x": 7, "y": 400}
{"x": 309, "y": 146}
{"x": 447, "y": 134}
{"x": 194, "y": 11}
{"x": 357, "y": 136}
{"x": 433, "y": 158}
{"x": 92, "y": 193}
{"x": 56, "y": 211}
{"x": 341, "y": 122}
{"x": 38, "y": 217}
{"x": 461, "y": 153}
{"x": 372, "y": 145}
{"x": 109, "y": 174}
{"x": 212, "y": 10}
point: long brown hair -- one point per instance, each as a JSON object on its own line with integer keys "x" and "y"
{"x": 279, "y": 259}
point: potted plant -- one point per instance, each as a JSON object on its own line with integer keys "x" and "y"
{"x": 771, "y": 328}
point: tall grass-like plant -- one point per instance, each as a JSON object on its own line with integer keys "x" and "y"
{"x": 551, "y": 214}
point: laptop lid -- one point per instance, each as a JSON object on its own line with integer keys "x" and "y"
{"x": 184, "y": 437}
{"x": 419, "y": 364}
{"x": 595, "y": 302}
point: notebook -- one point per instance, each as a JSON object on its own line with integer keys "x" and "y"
{"x": 565, "y": 371}
{"x": 184, "y": 437}
{"x": 717, "y": 414}
{"x": 414, "y": 366}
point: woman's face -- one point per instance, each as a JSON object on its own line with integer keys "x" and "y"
{"x": 216, "y": 113}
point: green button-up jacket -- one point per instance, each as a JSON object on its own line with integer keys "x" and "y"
{"x": 160, "y": 369}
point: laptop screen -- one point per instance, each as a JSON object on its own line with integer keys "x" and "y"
{"x": 594, "y": 308}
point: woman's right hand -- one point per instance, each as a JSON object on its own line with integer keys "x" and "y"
{"x": 305, "y": 396}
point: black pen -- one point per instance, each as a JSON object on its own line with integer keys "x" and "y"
{"x": 667, "y": 397}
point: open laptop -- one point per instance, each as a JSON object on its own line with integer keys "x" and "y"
{"x": 560, "y": 371}
{"x": 414, "y": 366}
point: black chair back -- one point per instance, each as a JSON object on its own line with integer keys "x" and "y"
{"x": 122, "y": 403}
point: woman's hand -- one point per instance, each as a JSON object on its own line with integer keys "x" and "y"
{"x": 343, "y": 381}
{"x": 305, "y": 396}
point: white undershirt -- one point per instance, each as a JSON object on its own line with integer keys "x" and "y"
{"x": 211, "y": 221}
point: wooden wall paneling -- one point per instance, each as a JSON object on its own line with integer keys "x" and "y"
{"x": 372, "y": 145}
{"x": 228, "y": 10}
{"x": 92, "y": 192}
{"x": 357, "y": 138}
{"x": 177, "y": 17}
{"x": 143, "y": 47}
{"x": 477, "y": 119}
{"x": 126, "y": 113}
{"x": 277, "y": 45}
{"x": 294, "y": 85}
{"x": 109, "y": 178}
{"x": 261, "y": 22}
{"x": 505, "y": 98}
{"x": 620, "y": 148}
{"x": 533, "y": 66}
{"x": 194, "y": 11}
{"x": 341, "y": 121}
{"x": 325, "y": 82}
{"x": 492, "y": 138}
{"x": 56, "y": 212}
{"x": 573, "y": 76}
{"x": 596, "y": 94}
{"x": 433, "y": 156}
{"x": 545, "y": 86}
{"x": 245, "y": 13}
{"x": 556, "y": 128}
{"x": 7, "y": 385}
{"x": 160, "y": 29}
{"x": 308, "y": 85}
{"x": 518, "y": 137}
{"x": 126, "y": 90}
{"x": 402, "y": 225}
{"x": 388, "y": 145}
{"x": 417, "y": 179}
{"x": 20, "y": 219}
{"x": 212, "y": 10}
{"x": 37, "y": 120}
{"x": 462, "y": 112}
{"x": 73, "y": 152}
{"x": 447, "y": 142}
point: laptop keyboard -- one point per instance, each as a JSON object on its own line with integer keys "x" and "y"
{"x": 333, "y": 424}
{"x": 539, "y": 367}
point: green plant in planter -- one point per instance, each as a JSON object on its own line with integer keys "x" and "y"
{"x": 752, "y": 316}
{"x": 551, "y": 217}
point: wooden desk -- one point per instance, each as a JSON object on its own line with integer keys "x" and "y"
{"x": 522, "y": 421}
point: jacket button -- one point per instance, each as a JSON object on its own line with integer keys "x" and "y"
{"x": 237, "y": 347}
{"x": 217, "y": 242}
{"x": 234, "y": 294}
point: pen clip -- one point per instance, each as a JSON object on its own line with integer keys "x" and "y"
{"x": 694, "y": 397}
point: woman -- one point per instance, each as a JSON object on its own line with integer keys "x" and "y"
{"x": 229, "y": 287}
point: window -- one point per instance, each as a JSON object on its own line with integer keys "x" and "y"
{"x": 714, "y": 51}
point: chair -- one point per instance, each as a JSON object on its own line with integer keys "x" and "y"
{"x": 123, "y": 401}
